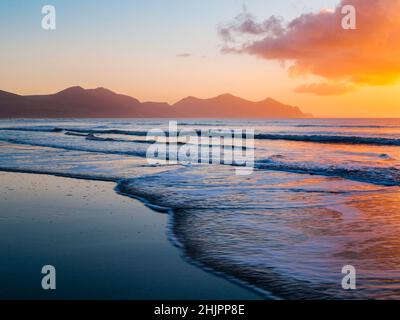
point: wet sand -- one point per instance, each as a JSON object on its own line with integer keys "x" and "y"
{"x": 102, "y": 244}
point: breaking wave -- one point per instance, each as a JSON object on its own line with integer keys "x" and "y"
{"x": 339, "y": 139}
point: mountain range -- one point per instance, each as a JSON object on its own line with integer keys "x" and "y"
{"x": 77, "y": 102}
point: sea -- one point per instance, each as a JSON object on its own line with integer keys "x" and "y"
{"x": 323, "y": 194}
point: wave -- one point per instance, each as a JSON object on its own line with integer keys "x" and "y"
{"x": 111, "y": 131}
{"x": 75, "y": 134}
{"x": 179, "y": 143}
{"x": 92, "y": 137}
{"x": 77, "y": 130}
{"x": 137, "y": 153}
{"x": 202, "y": 124}
{"x": 331, "y": 139}
{"x": 72, "y": 131}
{"x": 339, "y": 139}
{"x": 344, "y": 126}
{"x": 384, "y": 176}
{"x": 34, "y": 129}
{"x": 372, "y": 155}
{"x": 89, "y": 134}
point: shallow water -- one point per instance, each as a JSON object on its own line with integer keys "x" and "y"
{"x": 324, "y": 194}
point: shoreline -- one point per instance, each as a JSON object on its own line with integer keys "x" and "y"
{"x": 173, "y": 239}
{"x": 161, "y": 272}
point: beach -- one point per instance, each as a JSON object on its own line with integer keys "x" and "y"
{"x": 102, "y": 244}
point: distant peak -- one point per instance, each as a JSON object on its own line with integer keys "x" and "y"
{"x": 268, "y": 99}
{"x": 271, "y": 101}
{"x": 188, "y": 98}
{"x": 75, "y": 88}
{"x": 72, "y": 89}
{"x": 79, "y": 90}
{"x": 226, "y": 95}
{"x": 102, "y": 89}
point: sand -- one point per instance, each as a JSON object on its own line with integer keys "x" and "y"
{"x": 102, "y": 244}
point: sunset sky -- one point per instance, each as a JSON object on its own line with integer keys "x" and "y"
{"x": 164, "y": 50}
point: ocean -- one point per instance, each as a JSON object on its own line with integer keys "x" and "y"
{"x": 324, "y": 193}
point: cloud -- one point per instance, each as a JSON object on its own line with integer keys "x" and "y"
{"x": 184, "y": 55}
{"x": 316, "y": 44}
{"x": 245, "y": 23}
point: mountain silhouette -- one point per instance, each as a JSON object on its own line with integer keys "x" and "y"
{"x": 77, "y": 102}
{"x": 229, "y": 106}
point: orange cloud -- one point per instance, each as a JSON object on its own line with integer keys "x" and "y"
{"x": 317, "y": 45}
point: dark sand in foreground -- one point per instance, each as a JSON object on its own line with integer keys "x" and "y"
{"x": 103, "y": 245}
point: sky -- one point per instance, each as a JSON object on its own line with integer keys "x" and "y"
{"x": 164, "y": 50}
